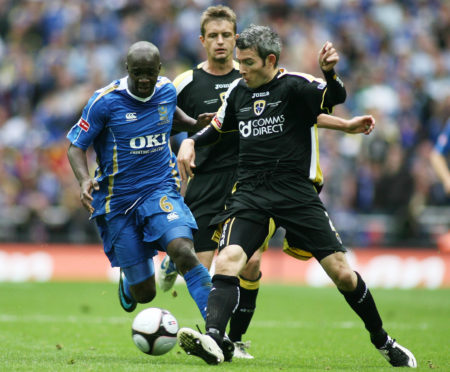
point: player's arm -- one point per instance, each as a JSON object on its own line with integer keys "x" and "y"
{"x": 184, "y": 123}
{"x": 186, "y": 152}
{"x": 335, "y": 93}
{"x": 78, "y": 162}
{"x": 439, "y": 164}
{"x": 358, "y": 124}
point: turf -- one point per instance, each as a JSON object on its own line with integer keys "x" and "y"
{"x": 81, "y": 327}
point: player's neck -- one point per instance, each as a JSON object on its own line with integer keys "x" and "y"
{"x": 218, "y": 68}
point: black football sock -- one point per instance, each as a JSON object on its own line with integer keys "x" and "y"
{"x": 241, "y": 318}
{"x": 362, "y": 303}
{"x": 222, "y": 301}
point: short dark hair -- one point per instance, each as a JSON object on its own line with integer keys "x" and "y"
{"x": 217, "y": 12}
{"x": 262, "y": 39}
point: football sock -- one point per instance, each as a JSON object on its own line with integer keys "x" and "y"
{"x": 198, "y": 282}
{"x": 222, "y": 302}
{"x": 241, "y": 318}
{"x": 361, "y": 301}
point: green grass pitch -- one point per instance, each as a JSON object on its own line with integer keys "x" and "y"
{"x": 81, "y": 327}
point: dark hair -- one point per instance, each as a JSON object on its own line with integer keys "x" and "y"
{"x": 262, "y": 39}
{"x": 217, "y": 12}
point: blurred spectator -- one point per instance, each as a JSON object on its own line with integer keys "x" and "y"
{"x": 395, "y": 61}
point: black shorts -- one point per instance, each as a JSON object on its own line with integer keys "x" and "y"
{"x": 206, "y": 195}
{"x": 292, "y": 202}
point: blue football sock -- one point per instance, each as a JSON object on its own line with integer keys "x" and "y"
{"x": 198, "y": 282}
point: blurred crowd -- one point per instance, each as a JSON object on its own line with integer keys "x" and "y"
{"x": 395, "y": 62}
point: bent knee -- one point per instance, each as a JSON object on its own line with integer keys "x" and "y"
{"x": 345, "y": 280}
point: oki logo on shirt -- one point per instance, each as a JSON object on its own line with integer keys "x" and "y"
{"x": 83, "y": 124}
{"x": 146, "y": 144}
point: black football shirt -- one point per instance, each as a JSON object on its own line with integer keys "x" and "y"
{"x": 199, "y": 92}
{"x": 276, "y": 123}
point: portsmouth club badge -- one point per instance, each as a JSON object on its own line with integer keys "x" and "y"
{"x": 258, "y": 107}
{"x": 163, "y": 114}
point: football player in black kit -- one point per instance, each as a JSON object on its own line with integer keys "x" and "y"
{"x": 274, "y": 112}
{"x": 202, "y": 90}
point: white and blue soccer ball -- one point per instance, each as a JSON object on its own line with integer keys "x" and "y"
{"x": 154, "y": 331}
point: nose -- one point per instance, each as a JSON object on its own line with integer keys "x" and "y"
{"x": 220, "y": 39}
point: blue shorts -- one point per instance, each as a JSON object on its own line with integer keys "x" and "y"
{"x": 136, "y": 237}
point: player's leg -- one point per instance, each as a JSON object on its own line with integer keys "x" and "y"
{"x": 224, "y": 296}
{"x": 359, "y": 297}
{"x": 138, "y": 281}
{"x": 204, "y": 247}
{"x": 240, "y": 320}
{"x": 122, "y": 240}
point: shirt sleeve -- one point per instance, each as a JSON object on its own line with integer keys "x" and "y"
{"x": 321, "y": 95}
{"x": 225, "y": 119}
{"x": 93, "y": 120}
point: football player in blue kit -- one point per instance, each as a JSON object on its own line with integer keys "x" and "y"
{"x": 134, "y": 196}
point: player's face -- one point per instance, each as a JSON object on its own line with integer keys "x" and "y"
{"x": 219, "y": 40}
{"x": 143, "y": 74}
{"x": 253, "y": 69}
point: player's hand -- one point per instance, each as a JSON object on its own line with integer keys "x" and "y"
{"x": 361, "y": 124}
{"x": 87, "y": 187}
{"x": 328, "y": 57}
{"x": 186, "y": 159}
{"x": 204, "y": 119}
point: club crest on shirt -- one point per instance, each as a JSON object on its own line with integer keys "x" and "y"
{"x": 163, "y": 112}
{"x": 258, "y": 107}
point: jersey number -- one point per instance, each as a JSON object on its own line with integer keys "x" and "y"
{"x": 165, "y": 205}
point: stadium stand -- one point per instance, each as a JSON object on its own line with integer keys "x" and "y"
{"x": 395, "y": 60}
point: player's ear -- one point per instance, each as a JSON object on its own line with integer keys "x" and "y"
{"x": 202, "y": 39}
{"x": 237, "y": 36}
{"x": 271, "y": 59}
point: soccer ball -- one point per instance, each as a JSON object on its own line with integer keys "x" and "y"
{"x": 154, "y": 331}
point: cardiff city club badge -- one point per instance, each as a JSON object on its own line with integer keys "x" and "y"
{"x": 258, "y": 106}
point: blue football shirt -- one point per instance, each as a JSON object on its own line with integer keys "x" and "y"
{"x": 130, "y": 136}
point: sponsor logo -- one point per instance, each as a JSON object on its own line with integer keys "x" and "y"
{"x": 217, "y": 123}
{"x": 210, "y": 101}
{"x": 172, "y": 216}
{"x": 130, "y": 116}
{"x": 258, "y": 107}
{"x": 259, "y": 127}
{"x": 222, "y": 86}
{"x": 261, "y": 94}
{"x": 151, "y": 140}
{"x": 83, "y": 124}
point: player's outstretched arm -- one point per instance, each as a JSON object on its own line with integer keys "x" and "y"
{"x": 78, "y": 162}
{"x": 358, "y": 124}
{"x": 184, "y": 123}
